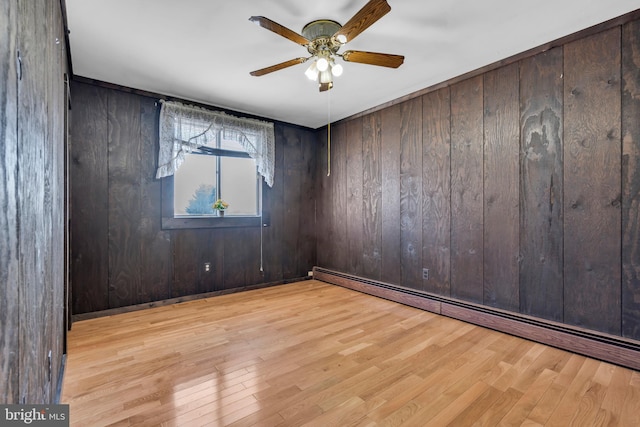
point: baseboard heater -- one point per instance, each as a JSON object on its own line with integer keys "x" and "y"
{"x": 609, "y": 348}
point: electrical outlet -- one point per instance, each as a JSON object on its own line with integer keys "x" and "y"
{"x": 425, "y": 274}
{"x": 207, "y": 267}
{"x": 310, "y": 273}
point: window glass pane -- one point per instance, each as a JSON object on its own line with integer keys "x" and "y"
{"x": 239, "y": 185}
{"x": 227, "y": 144}
{"x": 196, "y": 189}
{"x": 195, "y": 186}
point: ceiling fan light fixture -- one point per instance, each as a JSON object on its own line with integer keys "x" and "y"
{"x": 341, "y": 38}
{"x": 322, "y": 64}
{"x": 337, "y": 70}
{"x": 312, "y": 71}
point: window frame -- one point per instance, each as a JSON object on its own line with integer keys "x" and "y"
{"x": 169, "y": 222}
{"x": 263, "y": 153}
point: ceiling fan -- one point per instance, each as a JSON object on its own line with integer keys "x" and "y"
{"x": 323, "y": 38}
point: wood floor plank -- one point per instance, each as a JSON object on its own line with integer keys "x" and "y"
{"x": 631, "y": 406}
{"x": 616, "y": 394}
{"x": 310, "y": 353}
{"x": 569, "y": 405}
{"x": 520, "y": 411}
{"x": 469, "y": 407}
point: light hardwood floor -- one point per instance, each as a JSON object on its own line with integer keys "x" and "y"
{"x": 311, "y": 353}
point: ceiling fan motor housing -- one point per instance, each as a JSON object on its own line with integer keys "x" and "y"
{"x": 320, "y": 33}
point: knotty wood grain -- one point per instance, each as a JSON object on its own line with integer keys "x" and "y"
{"x": 338, "y": 202}
{"x": 501, "y": 183}
{"x": 541, "y": 185}
{"x": 436, "y": 190}
{"x": 89, "y": 199}
{"x": 592, "y": 162}
{"x": 9, "y": 257}
{"x": 34, "y": 149}
{"x": 354, "y": 217}
{"x": 372, "y": 195}
{"x": 33, "y": 206}
{"x": 124, "y": 160}
{"x": 57, "y": 141}
{"x": 292, "y": 174}
{"x": 390, "y": 163}
{"x": 466, "y": 190}
{"x": 631, "y": 180}
{"x": 52, "y": 232}
{"x": 411, "y": 193}
{"x": 334, "y": 197}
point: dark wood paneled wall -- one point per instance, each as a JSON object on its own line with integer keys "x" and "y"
{"x": 518, "y": 188}
{"x": 541, "y": 185}
{"x": 120, "y": 254}
{"x": 501, "y": 192}
{"x": 631, "y": 180}
{"x": 467, "y": 178}
{"x": 592, "y": 187}
{"x": 371, "y": 213}
{"x": 391, "y": 245}
{"x": 436, "y": 190}
{"x": 32, "y": 137}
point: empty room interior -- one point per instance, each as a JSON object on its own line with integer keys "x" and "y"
{"x": 350, "y": 213}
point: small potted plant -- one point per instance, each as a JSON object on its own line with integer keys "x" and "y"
{"x": 220, "y": 206}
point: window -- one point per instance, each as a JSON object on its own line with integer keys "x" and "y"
{"x": 205, "y": 177}
{"x": 205, "y": 156}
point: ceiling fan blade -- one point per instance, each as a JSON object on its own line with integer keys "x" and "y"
{"x": 373, "y": 58}
{"x": 280, "y": 66}
{"x": 362, "y": 20}
{"x": 279, "y": 29}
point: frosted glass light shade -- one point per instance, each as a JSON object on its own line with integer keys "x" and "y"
{"x": 322, "y": 64}
{"x": 312, "y": 72}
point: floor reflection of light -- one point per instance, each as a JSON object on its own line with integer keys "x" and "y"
{"x": 224, "y": 396}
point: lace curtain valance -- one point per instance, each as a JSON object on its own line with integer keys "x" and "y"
{"x": 184, "y": 128}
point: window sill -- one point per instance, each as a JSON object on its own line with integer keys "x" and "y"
{"x": 211, "y": 222}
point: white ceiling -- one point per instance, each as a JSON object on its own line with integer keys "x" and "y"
{"x": 203, "y": 50}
